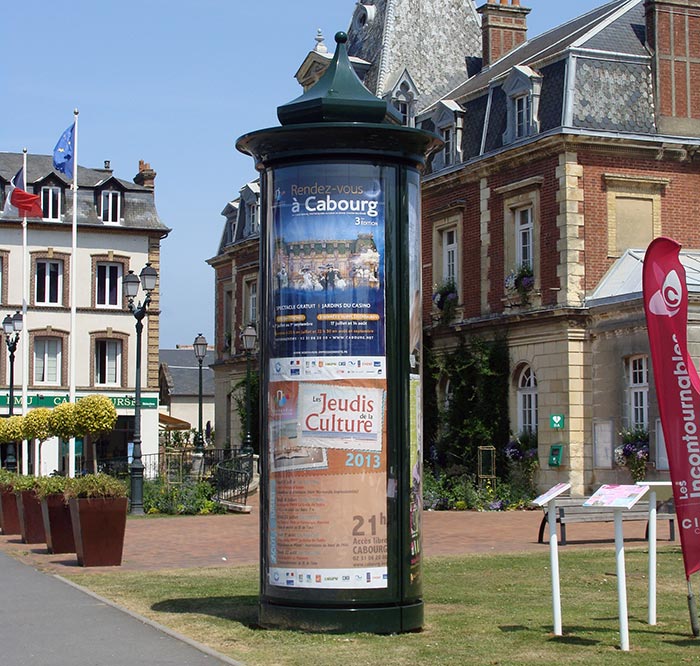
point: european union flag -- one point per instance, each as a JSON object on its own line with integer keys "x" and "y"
{"x": 63, "y": 153}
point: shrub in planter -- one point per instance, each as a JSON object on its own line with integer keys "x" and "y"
{"x": 9, "y": 516}
{"x": 31, "y": 524}
{"x": 98, "y": 506}
{"x": 55, "y": 513}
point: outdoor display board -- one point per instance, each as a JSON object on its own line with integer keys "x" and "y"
{"x": 327, "y": 417}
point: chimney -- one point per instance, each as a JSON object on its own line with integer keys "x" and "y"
{"x": 672, "y": 27}
{"x": 503, "y": 27}
{"x": 146, "y": 176}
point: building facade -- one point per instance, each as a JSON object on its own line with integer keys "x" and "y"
{"x": 118, "y": 230}
{"x": 407, "y": 67}
{"x": 179, "y": 390}
{"x": 564, "y": 157}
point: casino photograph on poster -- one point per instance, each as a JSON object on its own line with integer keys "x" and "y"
{"x": 327, "y": 261}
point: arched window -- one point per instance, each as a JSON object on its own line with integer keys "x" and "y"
{"x": 527, "y": 401}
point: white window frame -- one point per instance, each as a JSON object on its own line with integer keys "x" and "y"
{"x": 112, "y": 349}
{"x": 51, "y": 202}
{"x": 108, "y": 278}
{"x": 447, "y": 134}
{"x": 527, "y": 400}
{"x": 253, "y": 215}
{"x": 523, "y": 115}
{"x": 251, "y": 302}
{"x": 47, "y": 282}
{"x": 524, "y": 237}
{"x": 449, "y": 254}
{"x": 108, "y": 199}
{"x": 638, "y": 391}
{"x": 47, "y": 350}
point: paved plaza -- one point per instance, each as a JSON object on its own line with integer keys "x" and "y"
{"x": 180, "y": 542}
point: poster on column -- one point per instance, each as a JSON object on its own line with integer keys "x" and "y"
{"x": 327, "y": 380}
{"x": 327, "y": 273}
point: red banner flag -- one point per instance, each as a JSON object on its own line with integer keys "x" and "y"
{"x": 677, "y": 386}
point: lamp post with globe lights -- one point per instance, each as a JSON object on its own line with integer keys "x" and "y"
{"x": 130, "y": 284}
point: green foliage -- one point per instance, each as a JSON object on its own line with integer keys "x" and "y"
{"x": 62, "y": 422}
{"x": 22, "y": 483}
{"x": 477, "y": 412}
{"x": 445, "y": 299}
{"x": 523, "y": 462}
{"x": 455, "y": 489}
{"x": 189, "y": 498}
{"x": 7, "y": 480}
{"x": 94, "y": 486}
{"x": 50, "y": 485}
{"x": 36, "y": 424}
{"x": 239, "y": 397}
{"x": 95, "y": 414}
{"x": 11, "y": 429}
{"x": 633, "y": 453}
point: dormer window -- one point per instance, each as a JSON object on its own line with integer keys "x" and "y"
{"x": 447, "y": 123}
{"x": 51, "y": 202}
{"x": 111, "y": 206}
{"x": 522, "y": 90}
{"x": 403, "y": 97}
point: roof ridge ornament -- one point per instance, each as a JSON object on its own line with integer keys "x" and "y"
{"x": 320, "y": 43}
{"x": 338, "y": 96}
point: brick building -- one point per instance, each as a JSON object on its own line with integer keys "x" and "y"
{"x": 409, "y": 68}
{"x": 564, "y": 157}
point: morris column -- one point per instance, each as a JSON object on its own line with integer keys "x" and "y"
{"x": 340, "y": 350}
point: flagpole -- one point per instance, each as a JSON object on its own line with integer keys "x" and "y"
{"x": 73, "y": 290}
{"x": 25, "y": 347}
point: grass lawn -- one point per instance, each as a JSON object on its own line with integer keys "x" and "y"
{"x": 480, "y": 609}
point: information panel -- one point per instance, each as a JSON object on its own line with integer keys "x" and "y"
{"x": 327, "y": 379}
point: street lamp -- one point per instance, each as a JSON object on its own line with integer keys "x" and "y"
{"x": 12, "y": 326}
{"x": 249, "y": 337}
{"x": 130, "y": 285}
{"x": 200, "y": 351}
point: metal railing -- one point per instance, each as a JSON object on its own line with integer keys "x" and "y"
{"x": 232, "y": 479}
{"x": 229, "y": 470}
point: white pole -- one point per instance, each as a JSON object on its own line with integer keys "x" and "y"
{"x": 554, "y": 564}
{"x": 73, "y": 290}
{"x": 25, "y": 348}
{"x": 652, "y": 555}
{"x": 621, "y": 582}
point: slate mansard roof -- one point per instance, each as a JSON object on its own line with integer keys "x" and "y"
{"x": 181, "y": 370}
{"x": 596, "y": 78}
{"x": 138, "y": 210}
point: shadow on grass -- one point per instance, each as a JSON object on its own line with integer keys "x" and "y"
{"x": 242, "y": 609}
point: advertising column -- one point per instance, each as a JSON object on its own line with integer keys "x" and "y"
{"x": 327, "y": 390}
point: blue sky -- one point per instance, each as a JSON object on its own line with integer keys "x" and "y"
{"x": 174, "y": 83}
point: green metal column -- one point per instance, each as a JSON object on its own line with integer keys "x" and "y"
{"x": 340, "y": 356}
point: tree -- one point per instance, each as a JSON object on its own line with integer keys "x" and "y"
{"x": 62, "y": 422}
{"x": 95, "y": 414}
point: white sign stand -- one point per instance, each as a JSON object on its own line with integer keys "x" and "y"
{"x": 619, "y": 498}
{"x": 550, "y": 499}
{"x": 666, "y": 492}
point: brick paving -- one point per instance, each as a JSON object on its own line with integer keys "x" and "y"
{"x": 178, "y": 542}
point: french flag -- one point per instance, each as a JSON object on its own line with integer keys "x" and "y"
{"x": 19, "y": 203}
